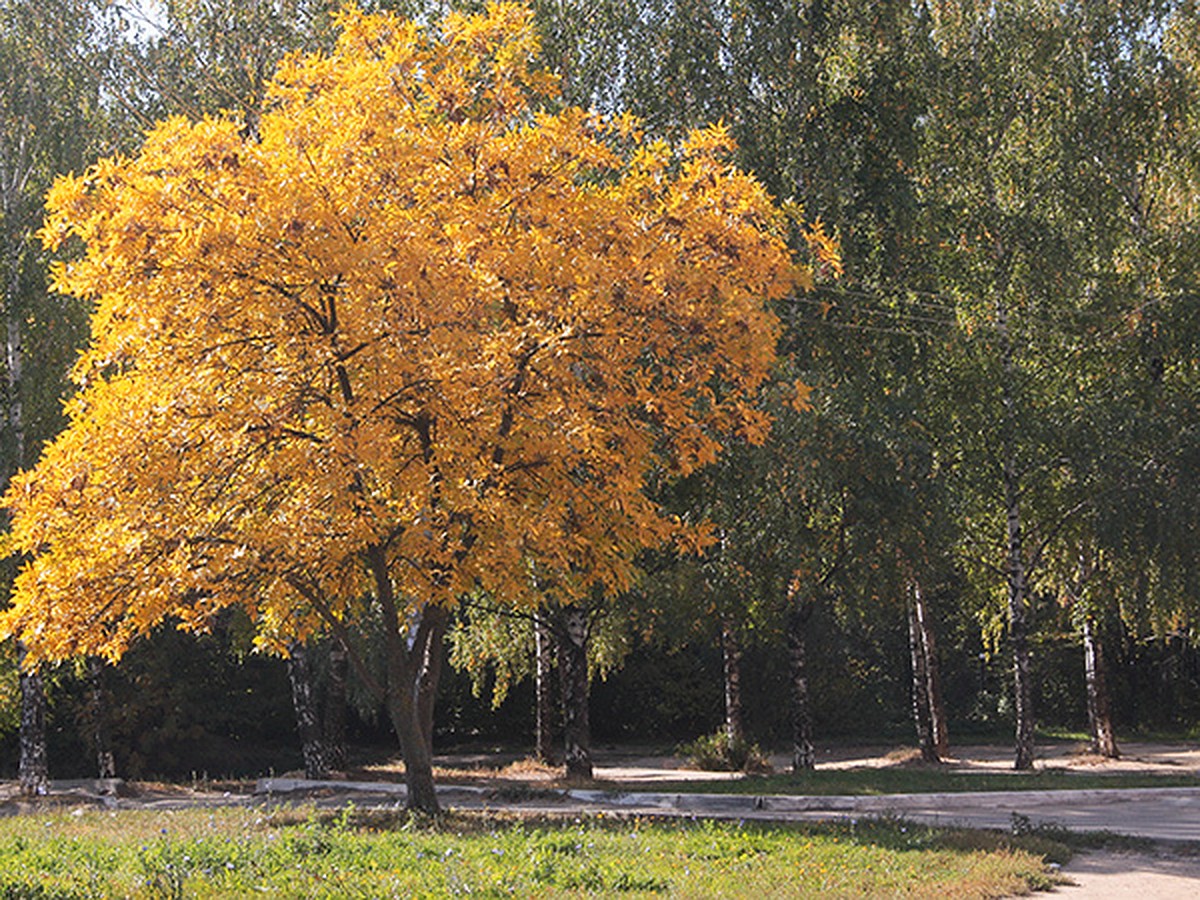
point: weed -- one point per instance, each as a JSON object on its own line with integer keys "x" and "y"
{"x": 165, "y": 868}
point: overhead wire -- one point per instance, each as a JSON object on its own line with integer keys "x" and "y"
{"x": 944, "y": 301}
{"x": 886, "y": 308}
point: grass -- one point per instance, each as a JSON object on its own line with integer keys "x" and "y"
{"x": 306, "y": 853}
{"x": 896, "y": 780}
{"x": 1063, "y": 733}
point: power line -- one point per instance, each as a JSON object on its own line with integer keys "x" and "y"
{"x": 948, "y": 302}
{"x": 891, "y": 310}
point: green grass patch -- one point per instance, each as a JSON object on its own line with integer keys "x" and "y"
{"x": 290, "y": 853}
{"x": 869, "y": 781}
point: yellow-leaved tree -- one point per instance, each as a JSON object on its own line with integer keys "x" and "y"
{"x": 420, "y": 331}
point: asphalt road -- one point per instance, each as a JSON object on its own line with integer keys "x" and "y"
{"x": 1161, "y": 814}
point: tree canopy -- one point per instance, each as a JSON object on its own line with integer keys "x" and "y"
{"x": 418, "y": 330}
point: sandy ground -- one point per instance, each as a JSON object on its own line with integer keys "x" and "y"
{"x": 1136, "y": 757}
{"x": 642, "y": 766}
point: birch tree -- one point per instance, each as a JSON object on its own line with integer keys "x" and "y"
{"x": 49, "y": 118}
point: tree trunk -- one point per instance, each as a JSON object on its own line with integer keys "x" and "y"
{"x": 803, "y": 754}
{"x": 307, "y": 708}
{"x": 432, "y": 654}
{"x": 1018, "y": 626}
{"x": 33, "y": 772}
{"x": 1015, "y": 575}
{"x": 573, "y": 672}
{"x": 33, "y": 769}
{"x": 731, "y": 657}
{"x": 97, "y": 720}
{"x": 334, "y": 730}
{"x": 1100, "y": 724}
{"x": 1018, "y": 635}
{"x": 399, "y": 689}
{"x": 544, "y": 709}
{"x": 933, "y": 679}
{"x": 408, "y": 710}
{"x": 922, "y": 717}
{"x": 407, "y": 639}
{"x": 414, "y": 746}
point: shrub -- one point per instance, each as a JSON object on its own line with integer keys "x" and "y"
{"x": 720, "y": 753}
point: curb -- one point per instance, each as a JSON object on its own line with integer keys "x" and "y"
{"x": 788, "y": 803}
{"x": 779, "y": 803}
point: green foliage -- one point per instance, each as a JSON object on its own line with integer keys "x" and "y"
{"x": 720, "y": 753}
{"x": 10, "y": 690}
{"x": 492, "y": 645}
{"x": 182, "y": 704}
{"x": 178, "y": 706}
{"x": 660, "y": 693}
{"x": 51, "y": 121}
{"x": 199, "y": 57}
{"x": 495, "y": 646}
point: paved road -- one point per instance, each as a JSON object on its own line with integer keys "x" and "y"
{"x": 1131, "y": 876}
{"x": 1158, "y": 813}
{"x": 1170, "y": 814}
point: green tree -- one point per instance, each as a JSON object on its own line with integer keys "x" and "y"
{"x": 50, "y": 118}
{"x": 195, "y": 57}
{"x": 840, "y": 83}
{"x": 1045, "y": 125}
{"x": 499, "y": 647}
{"x": 1014, "y": 197}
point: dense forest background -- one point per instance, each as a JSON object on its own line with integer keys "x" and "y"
{"x": 985, "y": 519}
